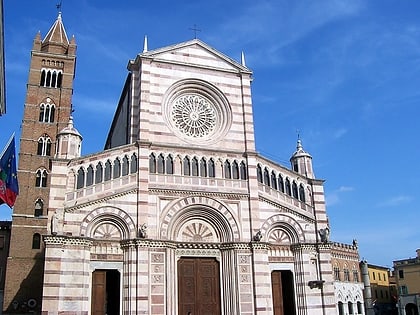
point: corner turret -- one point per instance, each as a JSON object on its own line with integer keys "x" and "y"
{"x": 69, "y": 142}
{"x": 301, "y": 161}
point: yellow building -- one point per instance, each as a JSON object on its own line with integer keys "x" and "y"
{"x": 407, "y": 276}
{"x": 383, "y": 300}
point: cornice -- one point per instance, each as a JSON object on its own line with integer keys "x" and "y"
{"x": 286, "y": 209}
{"x": 176, "y": 192}
{"x": 78, "y": 206}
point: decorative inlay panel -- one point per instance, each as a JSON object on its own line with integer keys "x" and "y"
{"x": 107, "y": 231}
{"x": 279, "y": 236}
{"x": 197, "y": 231}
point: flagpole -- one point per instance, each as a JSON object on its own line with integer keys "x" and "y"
{"x": 7, "y": 145}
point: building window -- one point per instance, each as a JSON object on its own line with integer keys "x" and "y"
{"x": 340, "y": 308}
{"x": 44, "y": 146}
{"x": 1, "y": 243}
{"x": 125, "y": 166}
{"x": 336, "y": 273}
{"x": 403, "y": 289}
{"x": 359, "y": 308}
{"x": 235, "y": 170}
{"x": 39, "y": 208}
{"x": 288, "y": 190}
{"x": 80, "y": 178}
{"x": 346, "y": 275}
{"x": 98, "y": 173}
{"x": 36, "y": 241}
{"x": 152, "y": 164}
{"x": 41, "y": 178}
{"x": 302, "y": 193}
{"x": 203, "y": 167}
{"x": 46, "y": 112}
{"x": 194, "y": 166}
{"x": 355, "y": 276}
{"x": 133, "y": 166}
{"x": 228, "y": 173}
{"x": 266, "y": 177}
{"x": 350, "y": 304}
{"x": 259, "y": 174}
{"x": 108, "y": 170}
{"x": 169, "y": 165}
{"x": 89, "y": 176}
{"x": 212, "y": 172}
{"x": 295, "y": 190}
{"x": 273, "y": 180}
{"x": 51, "y": 78}
{"x": 117, "y": 168}
{"x": 161, "y": 164}
{"x": 187, "y": 170}
{"x": 243, "y": 170}
{"x": 373, "y": 275}
{"x": 281, "y": 184}
{"x": 401, "y": 274}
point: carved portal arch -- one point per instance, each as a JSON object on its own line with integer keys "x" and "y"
{"x": 199, "y": 219}
{"x": 108, "y": 223}
{"x": 282, "y": 229}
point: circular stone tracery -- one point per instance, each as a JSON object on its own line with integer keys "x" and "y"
{"x": 194, "y": 115}
{"x": 197, "y": 111}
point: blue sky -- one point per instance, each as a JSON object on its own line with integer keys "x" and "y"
{"x": 346, "y": 74}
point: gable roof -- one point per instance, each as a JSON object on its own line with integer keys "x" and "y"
{"x": 195, "y": 53}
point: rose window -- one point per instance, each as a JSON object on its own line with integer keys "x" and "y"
{"x": 194, "y": 115}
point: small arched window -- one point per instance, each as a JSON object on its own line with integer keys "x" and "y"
{"x": 108, "y": 170}
{"x": 227, "y": 169}
{"x": 212, "y": 172}
{"x": 133, "y": 164}
{"x": 98, "y": 173}
{"x": 288, "y": 188}
{"x": 125, "y": 166}
{"x": 194, "y": 166}
{"x": 44, "y": 146}
{"x": 259, "y": 174}
{"x": 281, "y": 183}
{"x": 36, "y": 241}
{"x": 39, "y": 208}
{"x": 41, "y": 178}
{"x": 46, "y": 112}
{"x": 186, "y": 164}
{"x": 302, "y": 193}
{"x": 266, "y": 177}
{"x": 89, "y": 176}
{"x": 203, "y": 167}
{"x": 152, "y": 164}
{"x": 235, "y": 170}
{"x": 295, "y": 190}
{"x": 80, "y": 178}
{"x": 169, "y": 165}
{"x": 117, "y": 168}
{"x": 273, "y": 180}
{"x": 161, "y": 164}
{"x": 243, "y": 170}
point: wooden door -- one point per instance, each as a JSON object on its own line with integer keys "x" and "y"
{"x": 99, "y": 292}
{"x": 283, "y": 292}
{"x": 198, "y": 286}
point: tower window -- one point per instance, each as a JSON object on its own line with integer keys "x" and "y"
{"x": 46, "y": 112}
{"x": 41, "y": 178}
{"x": 44, "y": 146}
{"x": 51, "y": 78}
{"x": 36, "y": 241}
{"x": 39, "y": 206}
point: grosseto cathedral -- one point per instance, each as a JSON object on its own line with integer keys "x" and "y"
{"x": 179, "y": 214}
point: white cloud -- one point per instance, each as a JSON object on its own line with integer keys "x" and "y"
{"x": 334, "y": 197}
{"x": 395, "y": 201}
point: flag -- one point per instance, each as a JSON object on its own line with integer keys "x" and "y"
{"x": 9, "y": 187}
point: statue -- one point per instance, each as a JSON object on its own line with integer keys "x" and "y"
{"x": 54, "y": 224}
{"x": 143, "y": 231}
{"x": 355, "y": 243}
{"x": 258, "y": 236}
{"x": 324, "y": 234}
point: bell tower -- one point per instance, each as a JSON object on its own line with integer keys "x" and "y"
{"x": 47, "y": 111}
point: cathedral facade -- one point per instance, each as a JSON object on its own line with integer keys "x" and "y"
{"x": 179, "y": 214}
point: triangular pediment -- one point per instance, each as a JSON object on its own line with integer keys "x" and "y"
{"x": 195, "y": 53}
